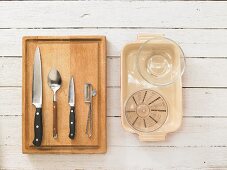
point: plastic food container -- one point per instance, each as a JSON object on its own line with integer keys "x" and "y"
{"x": 151, "y": 87}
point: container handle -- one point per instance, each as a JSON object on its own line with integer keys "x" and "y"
{"x": 145, "y": 37}
{"x": 155, "y": 137}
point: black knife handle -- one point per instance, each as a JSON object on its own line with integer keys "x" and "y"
{"x": 72, "y": 123}
{"x": 38, "y": 127}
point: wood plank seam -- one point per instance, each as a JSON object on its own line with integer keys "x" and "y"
{"x": 155, "y": 28}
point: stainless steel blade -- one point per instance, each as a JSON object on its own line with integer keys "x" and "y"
{"x": 37, "y": 80}
{"x": 71, "y": 98}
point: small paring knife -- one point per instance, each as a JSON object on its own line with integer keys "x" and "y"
{"x": 71, "y": 100}
{"x": 37, "y": 98}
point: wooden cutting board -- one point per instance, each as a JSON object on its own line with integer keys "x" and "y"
{"x": 84, "y": 58}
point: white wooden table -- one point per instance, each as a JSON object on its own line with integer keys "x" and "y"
{"x": 201, "y": 30}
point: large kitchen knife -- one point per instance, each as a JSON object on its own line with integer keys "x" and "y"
{"x": 71, "y": 100}
{"x": 37, "y": 98}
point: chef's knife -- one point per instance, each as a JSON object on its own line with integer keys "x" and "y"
{"x": 71, "y": 99}
{"x": 37, "y": 98}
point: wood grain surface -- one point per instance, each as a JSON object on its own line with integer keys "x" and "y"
{"x": 199, "y": 27}
{"x": 76, "y": 56}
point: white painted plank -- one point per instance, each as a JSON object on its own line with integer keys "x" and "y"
{"x": 10, "y": 71}
{"x": 196, "y": 102}
{"x": 170, "y": 14}
{"x": 11, "y": 101}
{"x": 205, "y": 73}
{"x": 123, "y": 158}
{"x": 194, "y": 42}
{"x": 199, "y": 72}
{"x": 195, "y": 132}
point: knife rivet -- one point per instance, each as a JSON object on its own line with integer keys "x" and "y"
{"x": 36, "y": 140}
{"x": 71, "y": 123}
{"x": 71, "y": 110}
{"x": 37, "y": 126}
{"x": 37, "y": 113}
{"x": 71, "y": 134}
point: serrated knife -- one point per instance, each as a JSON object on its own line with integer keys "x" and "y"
{"x": 37, "y": 98}
{"x": 71, "y": 100}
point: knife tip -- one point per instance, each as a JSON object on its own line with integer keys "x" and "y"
{"x": 37, "y": 52}
{"x": 71, "y": 79}
{"x": 37, "y": 49}
{"x": 71, "y": 83}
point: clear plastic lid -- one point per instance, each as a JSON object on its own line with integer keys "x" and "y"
{"x": 160, "y": 61}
